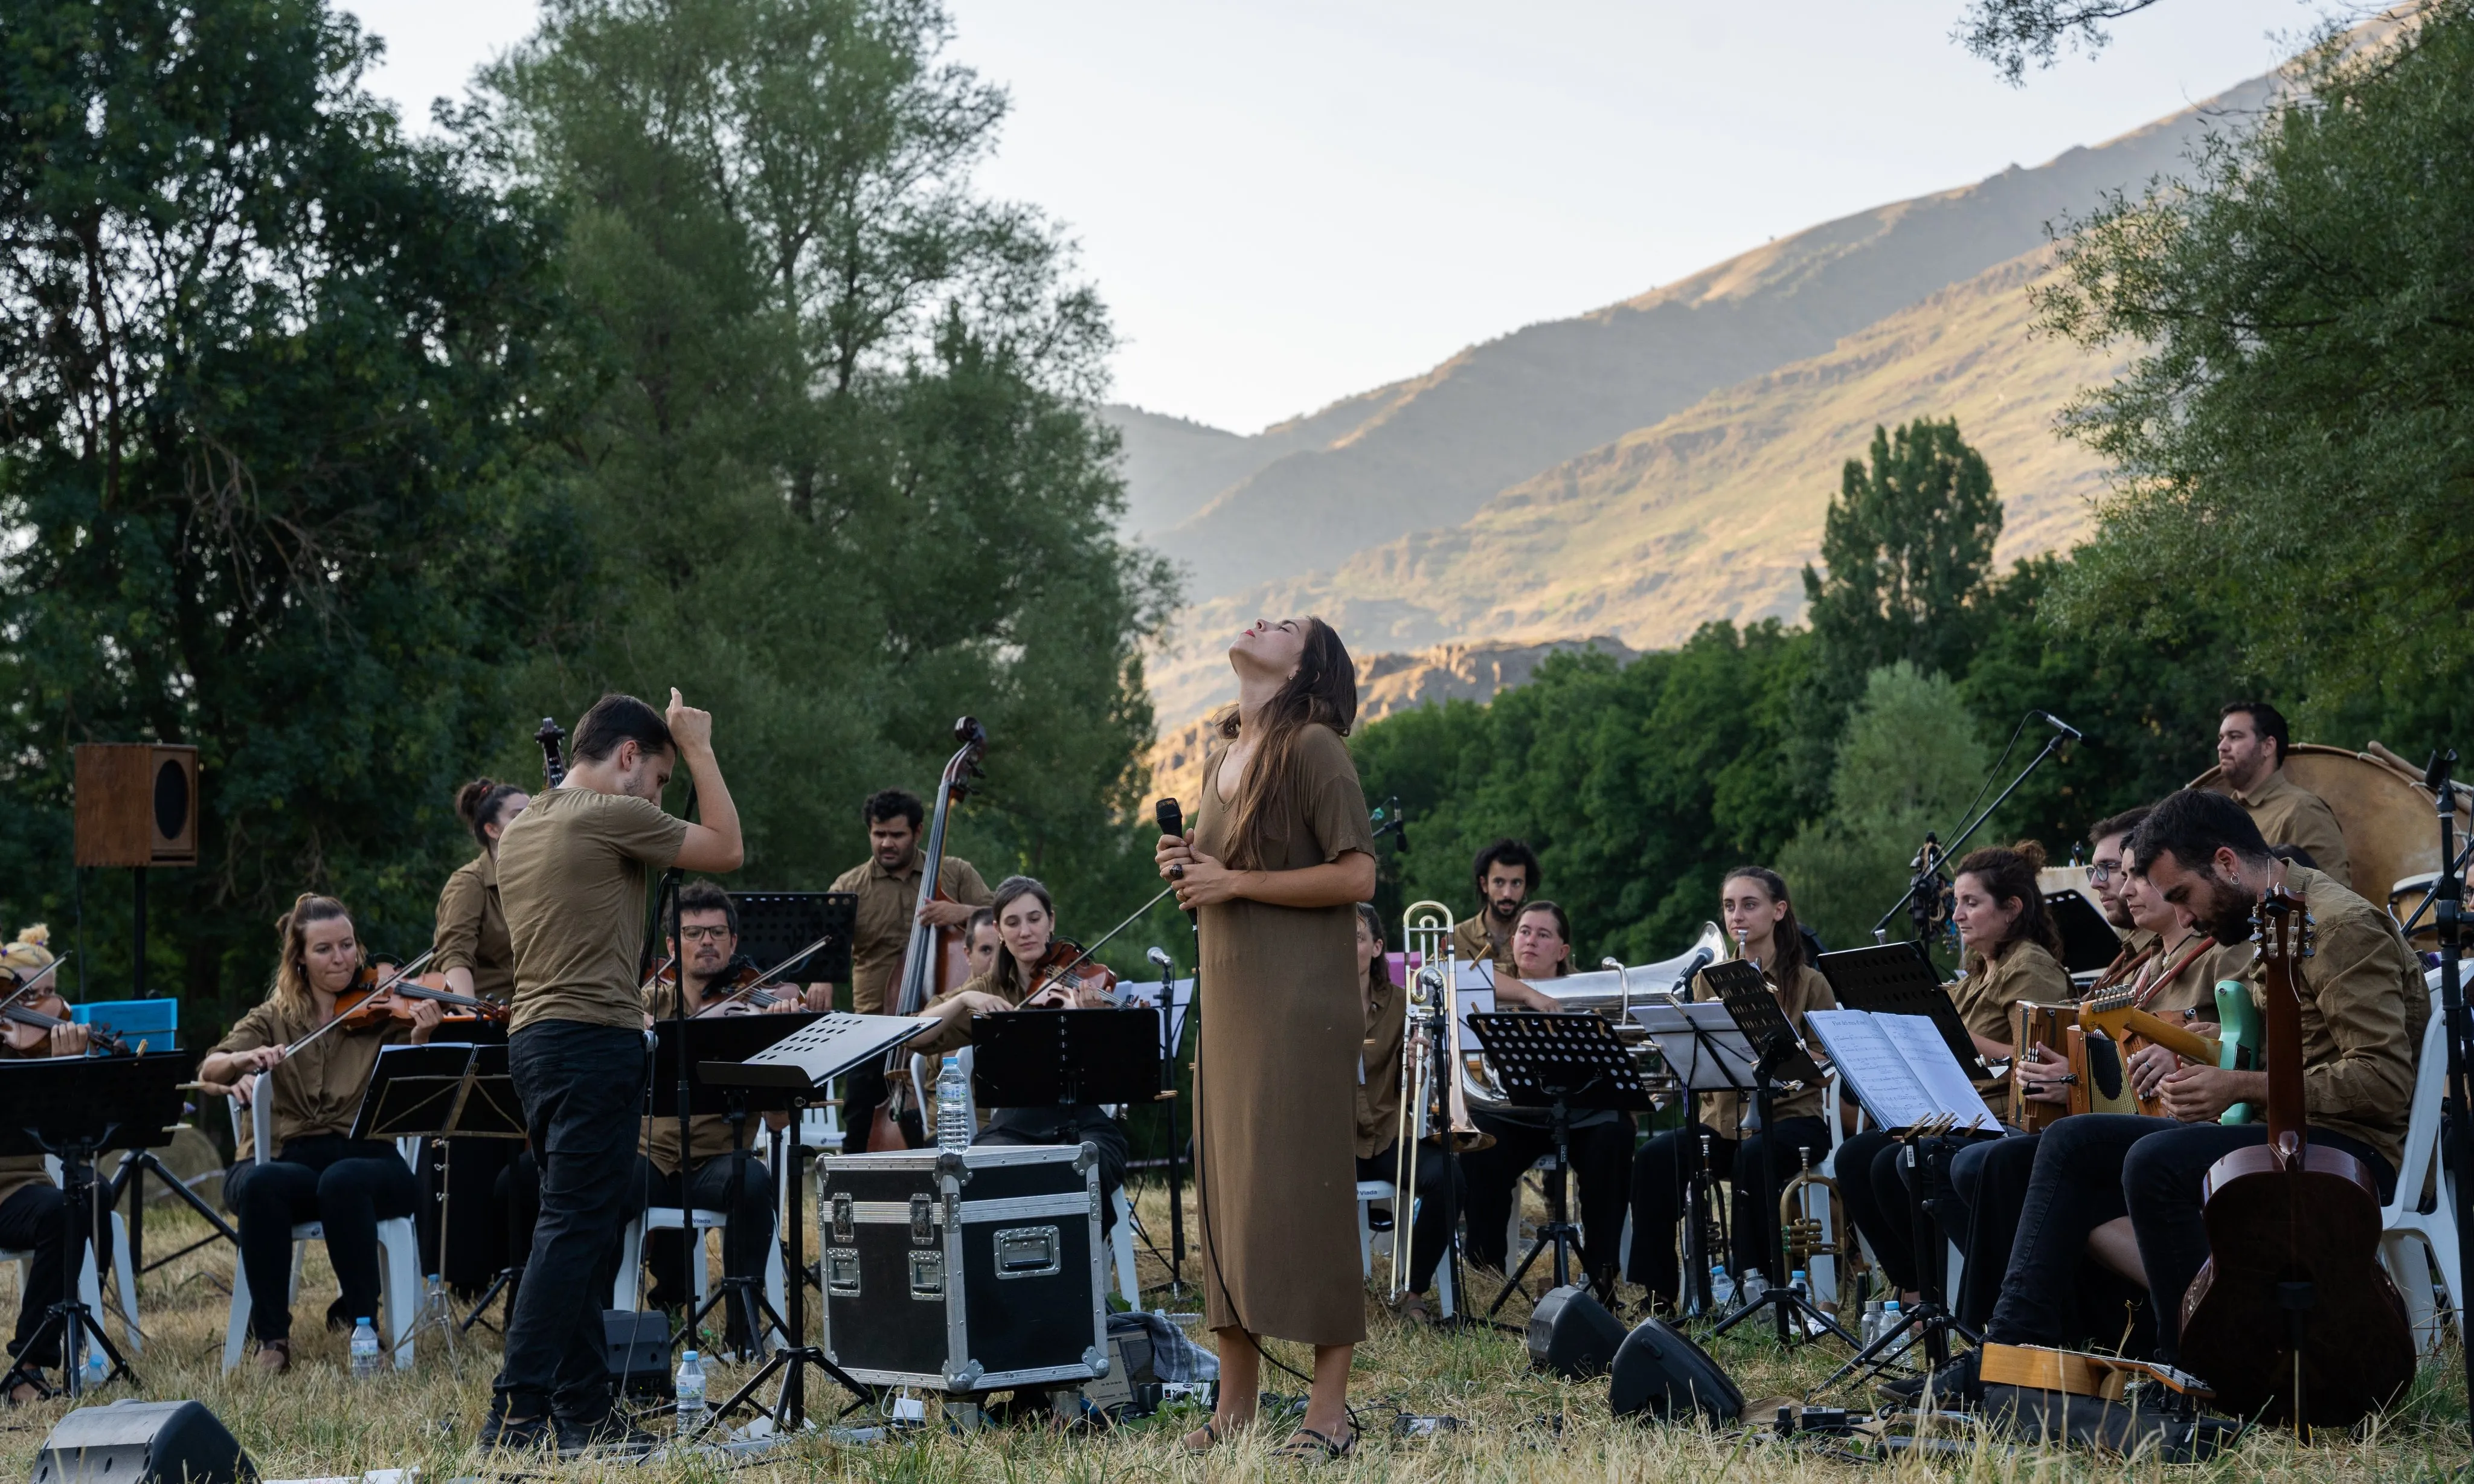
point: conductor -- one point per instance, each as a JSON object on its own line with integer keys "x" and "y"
{"x": 572, "y": 871}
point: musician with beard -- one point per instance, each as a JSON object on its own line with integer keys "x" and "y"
{"x": 1507, "y": 875}
{"x": 2252, "y": 745}
{"x": 2364, "y": 1009}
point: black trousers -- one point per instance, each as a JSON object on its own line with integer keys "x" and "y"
{"x": 350, "y": 1186}
{"x": 2094, "y": 1167}
{"x": 518, "y": 1190}
{"x": 582, "y": 1087}
{"x": 1875, "y": 1181}
{"x": 34, "y": 1220}
{"x": 1601, "y": 1167}
{"x": 1427, "y": 1230}
{"x": 1658, "y": 1173}
{"x": 741, "y": 1188}
{"x": 1988, "y": 1180}
{"x": 1085, "y": 1124}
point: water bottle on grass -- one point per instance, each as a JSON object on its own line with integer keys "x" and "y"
{"x": 365, "y": 1350}
{"x": 690, "y": 1387}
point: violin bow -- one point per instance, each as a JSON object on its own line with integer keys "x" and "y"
{"x": 26, "y": 988}
{"x": 401, "y": 975}
{"x": 761, "y": 980}
{"x": 1085, "y": 957}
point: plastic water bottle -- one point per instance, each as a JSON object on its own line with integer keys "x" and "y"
{"x": 1722, "y": 1288}
{"x": 95, "y": 1369}
{"x": 1755, "y": 1285}
{"x": 365, "y": 1350}
{"x": 1892, "y": 1321}
{"x": 1872, "y": 1331}
{"x": 689, "y": 1386}
{"x": 1795, "y": 1282}
{"x": 953, "y": 1109}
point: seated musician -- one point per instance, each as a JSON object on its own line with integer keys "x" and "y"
{"x": 1761, "y": 918}
{"x": 317, "y": 1171}
{"x": 1601, "y": 1138}
{"x": 472, "y": 933}
{"x": 2252, "y": 740}
{"x": 2364, "y": 1010}
{"x": 1378, "y": 1117}
{"x": 1026, "y": 924}
{"x": 31, "y": 1207}
{"x": 1507, "y": 875}
{"x": 725, "y": 1174}
{"x": 980, "y": 942}
{"x": 2013, "y": 951}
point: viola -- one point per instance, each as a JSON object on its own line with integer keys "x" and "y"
{"x": 379, "y": 995}
{"x": 1068, "y": 970}
{"x": 936, "y": 960}
{"x": 2293, "y": 1315}
{"x": 27, "y": 1025}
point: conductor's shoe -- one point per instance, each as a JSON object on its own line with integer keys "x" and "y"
{"x": 518, "y": 1435}
{"x": 608, "y": 1433}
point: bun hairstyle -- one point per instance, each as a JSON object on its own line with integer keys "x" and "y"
{"x": 482, "y": 803}
{"x": 1323, "y": 691}
{"x": 29, "y": 953}
{"x": 1787, "y": 939}
{"x": 292, "y": 972}
{"x": 1012, "y": 889}
{"x": 2009, "y": 873}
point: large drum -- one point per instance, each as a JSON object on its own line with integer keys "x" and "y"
{"x": 2391, "y": 821}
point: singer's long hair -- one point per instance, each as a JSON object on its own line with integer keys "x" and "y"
{"x": 1787, "y": 939}
{"x": 1323, "y": 691}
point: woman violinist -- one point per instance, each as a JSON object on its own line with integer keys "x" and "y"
{"x": 31, "y": 1207}
{"x": 471, "y": 939}
{"x": 1028, "y": 976}
{"x": 317, "y": 1171}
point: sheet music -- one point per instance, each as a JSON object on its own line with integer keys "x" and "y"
{"x": 1473, "y": 994}
{"x": 1700, "y": 1044}
{"x": 1147, "y": 992}
{"x": 1899, "y": 1068}
{"x": 1919, "y": 1042}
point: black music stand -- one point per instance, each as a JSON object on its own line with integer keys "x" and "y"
{"x": 442, "y": 1091}
{"x": 773, "y": 925}
{"x": 801, "y": 1065}
{"x": 1746, "y": 996}
{"x": 1897, "y": 979}
{"x": 74, "y": 1108}
{"x": 1063, "y": 1057}
{"x": 1557, "y": 1062}
{"x": 721, "y": 1040}
{"x": 2089, "y": 942}
{"x": 1701, "y": 1045}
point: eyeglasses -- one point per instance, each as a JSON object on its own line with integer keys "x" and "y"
{"x": 2103, "y": 871}
{"x": 704, "y": 934}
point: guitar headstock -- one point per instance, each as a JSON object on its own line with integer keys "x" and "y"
{"x": 2280, "y": 926}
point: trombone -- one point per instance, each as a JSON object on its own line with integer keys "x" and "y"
{"x": 1426, "y": 931}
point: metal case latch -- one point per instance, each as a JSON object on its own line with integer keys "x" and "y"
{"x": 922, "y": 1220}
{"x": 846, "y": 1221}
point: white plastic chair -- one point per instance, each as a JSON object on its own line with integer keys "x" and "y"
{"x": 400, "y": 1286}
{"x": 1369, "y": 1191}
{"x": 90, "y": 1290}
{"x": 696, "y": 1224}
{"x": 1121, "y": 1241}
{"x": 2401, "y": 1226}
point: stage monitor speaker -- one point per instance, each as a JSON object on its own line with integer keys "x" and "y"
{"x": 1660, "y": 1373}
{"x": 132, "y": 1441}
{"x": 1571, "y": 1333}
{"x": 137, "y": 804}
{"x": 639, "y": 1353}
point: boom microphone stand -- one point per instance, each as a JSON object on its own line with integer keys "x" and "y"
{"x": 2450, "y": 895}
{"x": 1928, "y": 878}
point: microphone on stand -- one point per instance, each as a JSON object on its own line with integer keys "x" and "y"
{"x": 1159, "y": 956}
{"x": 1701, "y": 959}
{"x": 2061, "y": 726}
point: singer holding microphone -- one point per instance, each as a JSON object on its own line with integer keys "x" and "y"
{"x": 1281, "y": 854}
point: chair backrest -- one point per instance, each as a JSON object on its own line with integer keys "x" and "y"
{"x": 2422, "y": 1118}
{"x": 261, "y": 1116}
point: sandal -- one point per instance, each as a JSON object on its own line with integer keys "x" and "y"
{"x": 1211, "y": 1437}
{"x": 23, "y": 1374}
{"x": 282, "y": 1349}
{"x": 1307, "y": 1445}
{"x": 1412, "y": 1310}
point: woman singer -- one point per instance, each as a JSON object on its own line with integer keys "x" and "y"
{"x": 2013, "y": 951}
{"x": 1022, "y": 978}
{"x": 1601, "y": 1138}
{"x": 31, "y": 1207}
{"x": 1279, "y": 854}
{"x": 317, "y": 1171}
{"x": 1759, "y": 916}
{"x": 1379, "y": 1118}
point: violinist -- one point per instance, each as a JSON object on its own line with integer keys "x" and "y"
{"x": 724, "y": 1175}
{"x": 31, "y": 1207}
{"x": 471, "y": 939}
{"x": 1027, "y": 977}
{"x": 887, "y": 886}
{"x": 316, "y": 1171}
{"x": 2364, "y": 1010}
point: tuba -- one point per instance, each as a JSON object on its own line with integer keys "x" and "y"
{"x": 1425, "y": 932}
{"x": 1609, "y": 993}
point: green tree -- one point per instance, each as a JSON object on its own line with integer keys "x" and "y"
{"x": 1906, "y": 547}
{"x": 275, "y": 379}
{"x": 2010, "y": 34}
{"x": 842, "y": 470}
{"x": 2294, "y": 437}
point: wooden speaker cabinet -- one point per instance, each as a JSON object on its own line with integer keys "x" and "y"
{"x": 137, "y": 804}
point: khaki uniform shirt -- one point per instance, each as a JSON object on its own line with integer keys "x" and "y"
{"x": 1724, "y": 1111}
{"x": 2136, "y": 942}
{"x": 1473, "y": 941}
{"x": 318, "y": 1090}
{"x": 572, "y": 872}
{"x": 2024, "y": 971}
{"x": 472, "y": 932}
{"x": 2192, "y": 993}
{"x": 2287, "y": 814}
{"x": 1378, "y": 1084}
{"x": 708, "y": 1134}
{"x": 887, "y": 902}
{"x": 957, "y": 1033}
{"x": 2364, "y": 1009}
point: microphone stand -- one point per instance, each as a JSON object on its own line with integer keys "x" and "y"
{"x": 2449, "y": 892}
{"x": 1929, "y": 861}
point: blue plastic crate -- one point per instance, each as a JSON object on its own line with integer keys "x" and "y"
{"x": 156, "y": 1022}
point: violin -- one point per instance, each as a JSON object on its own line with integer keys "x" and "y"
{"x": 376, "y": 997}
{"x": 2293, "y": 1315}
{"x": 28, "y": 1030}
{"x": 936, "y": 960}
{"x": 1068, "y": 970}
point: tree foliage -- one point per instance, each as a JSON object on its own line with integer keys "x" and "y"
{"x": 2010, "y": 34}
{"x": 1906, "y": 546}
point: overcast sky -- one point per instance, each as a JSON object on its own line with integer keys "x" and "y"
{"x": 1287, "y": 200}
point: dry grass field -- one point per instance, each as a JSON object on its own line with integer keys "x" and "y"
{"x": 1518, "y": 1425}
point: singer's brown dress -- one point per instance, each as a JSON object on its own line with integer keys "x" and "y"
{"x": 1276, "y": 1081}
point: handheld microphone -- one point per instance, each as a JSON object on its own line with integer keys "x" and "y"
{"x": 1169, "y": 817}
{"x": 2061, "y": 726}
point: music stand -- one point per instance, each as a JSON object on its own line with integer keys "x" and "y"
{"x": 773, "y": 925}
{"x": 74, "y": 1108}
{"x": 1897, "y": 979}
{"x": 801, "y": 1065}
{"x": 1065, "y": 1057}
{"x": 442, "y": 1091}
{"x": 2089, "y": 942}
{"x": 1557, "y": 1062}
{"x": 1746, "y": 996}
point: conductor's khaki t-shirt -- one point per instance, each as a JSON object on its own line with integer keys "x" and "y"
{"x": 571, "y": 876}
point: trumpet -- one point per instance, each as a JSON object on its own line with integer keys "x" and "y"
{"x": 1807, "y": 1236}
{"x": 1426, "y": 932}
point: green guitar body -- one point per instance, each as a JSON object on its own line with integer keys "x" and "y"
{"x": 2243, "y": 1037}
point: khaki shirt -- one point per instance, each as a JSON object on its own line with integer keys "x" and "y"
{"x": 2364, "y": 1009}
{"x": 1473, "y": 941}
{"x": 2024, "y": 971}
{"x": 2287, "y": 814}
{"x": 571, "y": 873}
{"x": 2192, "y": 993}
{"x": 472, "y": 932}
{"x": 957, "y": 1032}
{"x": 19, "y": 1171}
{"x": 1724, "y": 1111}
{"x": 2136, "y": 942}
{"x": 1378, "y": 1085}
{"x": 708, "y": 1134}
{"x": 887, "y": 902}
{"x": 318, "y": 1090}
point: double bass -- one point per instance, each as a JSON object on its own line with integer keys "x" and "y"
{"x": 936, "y": 958}
{"x": 2292, "y": 1315}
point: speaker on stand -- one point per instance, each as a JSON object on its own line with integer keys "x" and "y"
{"x": 137, "y": 807}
